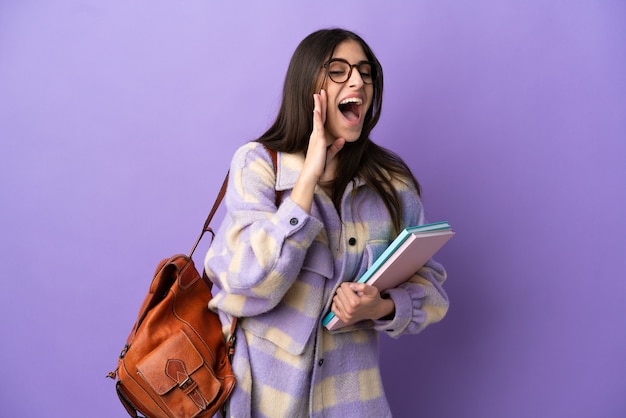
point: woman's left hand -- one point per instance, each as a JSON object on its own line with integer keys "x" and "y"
{"x": 354, "y": 302}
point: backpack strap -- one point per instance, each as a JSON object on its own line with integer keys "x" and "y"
{"x": 220, "y": 197}
{"x": 230, "y": 344}
{"x": 279, "y": 193}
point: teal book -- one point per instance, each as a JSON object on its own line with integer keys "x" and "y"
{"x": 409, "y": 251}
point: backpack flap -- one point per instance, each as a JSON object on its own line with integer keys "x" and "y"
{"x": 176, "y": 365}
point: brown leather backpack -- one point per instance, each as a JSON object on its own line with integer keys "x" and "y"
{"x": 175, "y": 362}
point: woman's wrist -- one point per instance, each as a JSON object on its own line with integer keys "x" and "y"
{"x": 303, "y": 191}
{"x": 387, "y": 308}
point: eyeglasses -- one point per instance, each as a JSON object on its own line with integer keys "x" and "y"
{"x": 339, "y": 70}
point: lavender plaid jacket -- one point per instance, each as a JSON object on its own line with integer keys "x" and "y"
{"x": 277, "y": 269}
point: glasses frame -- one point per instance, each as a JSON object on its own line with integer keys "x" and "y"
{"x": 373, "y": 74}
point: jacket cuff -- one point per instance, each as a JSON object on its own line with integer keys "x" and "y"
{"x": 296, "y": 224}
{"x": 405, "y": 312}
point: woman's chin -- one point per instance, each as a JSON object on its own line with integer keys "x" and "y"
{"x": 350, "y": 135}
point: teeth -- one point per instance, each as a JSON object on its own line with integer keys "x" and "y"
{"x": 351, "y": 100}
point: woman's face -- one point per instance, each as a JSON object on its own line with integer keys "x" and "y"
{"x": 348, "y": 102}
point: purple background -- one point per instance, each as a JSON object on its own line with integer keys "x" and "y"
{"x": 118, "y": 119}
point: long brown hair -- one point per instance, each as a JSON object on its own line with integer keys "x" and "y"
{"x": 363, "y": 158}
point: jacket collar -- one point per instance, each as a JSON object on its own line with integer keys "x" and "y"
{"x": 288, "y": 169}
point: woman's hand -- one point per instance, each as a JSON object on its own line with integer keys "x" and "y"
{"x": 321, "y": 152}
{"x": 320, "y": 163}
{"x": 354, "y": 302}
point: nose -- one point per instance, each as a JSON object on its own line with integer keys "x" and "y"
{"x": 355, "y": 79}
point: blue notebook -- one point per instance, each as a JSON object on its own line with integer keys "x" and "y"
{"x": 411, "y": 249}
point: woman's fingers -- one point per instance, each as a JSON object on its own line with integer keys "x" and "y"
{"x": 316, "y": 153}
{"x": 319, "y": 114}
{"x": 320, "y": 154}
{"x": 323, "y": 99}
{"x": 334, "y": 148}
{"x": 354, "y": 302}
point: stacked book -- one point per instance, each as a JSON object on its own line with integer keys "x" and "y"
{"x": 411, "y": 249}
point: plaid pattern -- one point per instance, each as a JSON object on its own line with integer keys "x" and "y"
{"x": 278, "y": 268}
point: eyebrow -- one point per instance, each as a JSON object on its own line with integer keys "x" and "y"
{"x": 346, "y": 60}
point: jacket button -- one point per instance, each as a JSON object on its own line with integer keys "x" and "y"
{"x": 352, "y": 241}
{"x": 293, "y": 221}
{"x": 319, "y": 363}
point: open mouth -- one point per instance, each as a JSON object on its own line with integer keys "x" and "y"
{"x": 351, "y": 108}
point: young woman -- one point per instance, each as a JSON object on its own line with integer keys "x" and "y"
{"x": 281, "y": 266}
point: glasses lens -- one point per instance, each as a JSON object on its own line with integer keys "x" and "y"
{"x": 338, "y": 71}
{"x": 367, "y": 72}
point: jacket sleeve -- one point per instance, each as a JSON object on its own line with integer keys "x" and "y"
{"x": 259, "y": 248}
{"x": 421, "y": 300}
